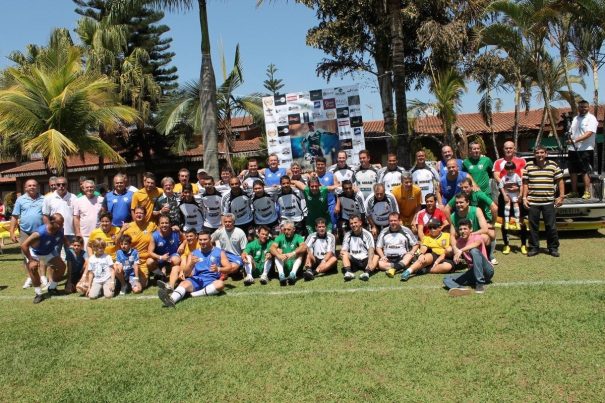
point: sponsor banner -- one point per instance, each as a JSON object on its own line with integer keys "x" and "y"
{"x": 302, "y": 126}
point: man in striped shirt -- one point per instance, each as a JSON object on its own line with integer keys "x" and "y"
{"x": 538, "y": 193}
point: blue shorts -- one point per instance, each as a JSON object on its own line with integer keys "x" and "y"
{"x": 129, "y": 276}
{"x": 233, "y": 258}
{"x": 166, "y": 263}
{"x": 200, "y": 282}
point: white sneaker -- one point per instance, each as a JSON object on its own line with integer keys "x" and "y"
{"x": 264, "y": 279}
{"x": 122, "y": 291}
{"x": 349, "y": 276}
{"x": 28, "y": 283}
{"x": 249, "y": 280}
{"x": 494, "y": 261}
{"x": 364, "y": 276}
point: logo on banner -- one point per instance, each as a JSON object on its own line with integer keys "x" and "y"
{"x": 357, "y": 131}
{"x": 339, "y": 91}
{"x": 342, "y": 113}
{"x": 280, "y": 99}
{"x": 318, "y": 116}
{"x": 268, "y": 102}
{"x": 346, "y": 144}
{"x": 354, "y": 100}
{"x": 271, "y": 132}
{"x": 356, "y": 121}
{"x": 294, "y": 119}
{"x": 330, "y": 103}
{"x": 291, "y": 97}
{"x": 343, "y": 122}
{"x": 341, "y": 102}
{"x": 316, "y": 95}
{"x": 316, "y": 104}
{"x": 283, "y": 131}
{"x": 330, "y": 115}
{"x": 354, "y": 110}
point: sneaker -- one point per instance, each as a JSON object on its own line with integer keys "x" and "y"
{"x": 308, "y": 275}
{"x": 365, "y": 276}
{"x": 572, "y": 195}
{"x": 524, "y": 249}
{"x": 292, "y": 279}
{"x": 554, "y": 252}
{"x": 405, "y": 276}
{"x": 43, "y": 283}
{"x": 494, "y": 261}
{"x": 349, "y": 276}
{"x": 249, "y": 280}
{"x": 532, "y": 252}
{"x": 28, "y": 283}
{"x": 586, "y": 196}
{"x": 162, "y": 285}
{"x": 391, "y": 272}
{"x": 264, "y": 280}
{"x": 459, "y": 292}
{"x": 479, "y": 288}
{"x": 52, "y": 291}
{"x": 282, "y": 280}
{"x": 506, "y": 250}
{"x": 506, "y": 225}
{"x": 38, "y": 298}
{"x": 122, "y": 291}
{"x": 164, "y": 296}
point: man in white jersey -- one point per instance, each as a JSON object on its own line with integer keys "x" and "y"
{"x": 292, "y": 206}
{"x": 581, "y": 149}
{"x": 357, "y": 251}
{"x": 248, "y": 176}
{"x": 390, "y": 176}
{"x": 341, "y": 170}
{"x": 238, "y": 203}
{"x": 395, "y": 247}
{"x": 61, "y": 201}
{"x": 425, "y": 176}
{"x": 348, "y": 203}
{"x": 232, "y": 241}
{"x": 210, "y": 204}
{"x": 379, "y": 205}
{"x": 365, "y": 175}
{"x": 321, "y": 255}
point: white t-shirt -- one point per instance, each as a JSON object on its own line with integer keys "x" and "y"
{"x": 234, "y": 241}
{"x": 425, "y": 178}
{"x": 582, "y": 124}
{"x": 88, "y": 210}
{"x": 53, "y": 203}
{"x": 321, "y": 246}
{"x": 100, "y": 267}
{"x": 358, "y": 246}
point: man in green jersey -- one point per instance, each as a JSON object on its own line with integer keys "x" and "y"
{"x": 257, "y": 257}
{"x": 316, "y": 197}
{"x": 479, "y": 166}
{"x": 289, "y": 250}
{"x": 471, "y": 213}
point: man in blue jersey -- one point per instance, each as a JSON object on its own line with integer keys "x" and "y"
{"x": 447, "y": 153}
{"x": 118, "y": 202}
{"x": 450, "y": 184}
{"x": 42, "y": 247}
{"x": 273, "y": 172}
{"x": 163, "y": 247}
{"x": 202, "y": 271}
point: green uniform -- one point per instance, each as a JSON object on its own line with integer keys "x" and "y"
{"x": 480, "y": 170}
{"x": 317, "y": 206}
{"x": 472, "y": 215}
{"x": 257, "y": 252}
{"x": 288, "y": 246}
{"x": 477, "y": 199}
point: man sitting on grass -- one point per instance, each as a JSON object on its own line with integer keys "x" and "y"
{"x": 471, "y": 247}
{"x": 202, "y": 272}
{"x": 289, "y": 250}
{"x": 357, "y": 251}
{"x": 321, "y": 257}
{"x": 395, "y": 247}
{"x": 257, "y": 257}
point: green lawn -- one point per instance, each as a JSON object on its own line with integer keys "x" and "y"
{"x": 321, "y": 341}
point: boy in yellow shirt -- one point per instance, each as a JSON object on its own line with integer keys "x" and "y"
{"x": 435, "y": 253}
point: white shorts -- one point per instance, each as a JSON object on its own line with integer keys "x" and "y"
{"x": 106, "y": 287}
{"x": 513, "y": 196}
{"x": 44, "y": 259}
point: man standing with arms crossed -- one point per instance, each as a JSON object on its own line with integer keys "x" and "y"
{"x": 580, "y": 150}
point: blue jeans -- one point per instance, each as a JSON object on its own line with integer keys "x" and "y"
{"x": 480, "y": 273}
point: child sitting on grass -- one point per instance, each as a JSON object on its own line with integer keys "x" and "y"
{"x": 127, "y": 266}
{"x": 101, "y": 275}
{"x": 435, "y": 253}
{"x": 76, "y": 263}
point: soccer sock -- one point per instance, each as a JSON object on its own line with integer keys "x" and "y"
{"x": 43, "y": 279}
{"x": 37, "y": 290}
{"x": 346, "y": 269}
{"x": 178, "y": 294}
{"x": 248, "y": 266}
{"x": 297, "y": 263}
{"x": 506, "y": 214}
{"x": 204, "y": 292}
{"x": 267, "y": 267}
{"x": 516, "y": 208}
{"x": 492, "y": 249}
{"x": 52, "y": 285}
{"x": 280, "y": 267}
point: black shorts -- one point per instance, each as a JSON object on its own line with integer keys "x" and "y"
{"x": 357, "y": 264}
{"x": 579, "y": 162}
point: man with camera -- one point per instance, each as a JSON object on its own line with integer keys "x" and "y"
{"x": 580, "y": 149}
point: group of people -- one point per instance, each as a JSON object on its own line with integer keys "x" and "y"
{"x": 275, "y": 222}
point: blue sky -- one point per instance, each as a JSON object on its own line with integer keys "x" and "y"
{"x": 274, "y": 33}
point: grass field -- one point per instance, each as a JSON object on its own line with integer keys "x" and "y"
{"x": 538, "y": 334}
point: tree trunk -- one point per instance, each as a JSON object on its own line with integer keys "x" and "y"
{"x": 491, "y": 127}
{"x": 595, "y": 101}
{"x": 541, "y": 131}
{"x": 399, "y": 80}
{"x": 553, "y": 127}
{"x": 385, "y": 86}
{"x": 517, "y": 107}
{"x": 208, "y": 99}
{"x": 564, "y": 52}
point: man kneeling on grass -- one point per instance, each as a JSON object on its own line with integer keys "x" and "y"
{"x": 202, "y": 272}
{"x": 471, "y": 247}
{"x": 289, "y": 250}
{"x": 321, "y": 256}
{"x": 257, "y": 257}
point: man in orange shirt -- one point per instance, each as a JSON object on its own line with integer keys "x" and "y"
{"x": 146, "y": 197}
{"x": 409, "y": 200}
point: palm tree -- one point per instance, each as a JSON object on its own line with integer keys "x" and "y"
{"x": 53, "y": 106}
{"x": 183, "y": 110}
{"x": 207, "y": 82}
{"x": 447, "y": 86}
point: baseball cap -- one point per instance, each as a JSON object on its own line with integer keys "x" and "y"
{"x": 201, "y": 170}
{"x": 434, "y": 223}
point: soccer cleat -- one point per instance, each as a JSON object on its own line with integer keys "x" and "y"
{"x": 405, "y": 276}
{"x": 282, "y": 280}
{"x": 554, "y": 252}
{"x": 532, "y": 252}
{"x": 460, "y": 291}
{"x": 164, "y": 296}
{"x": 292, "y": 278}
{"x": 163, "y": 285}
{"x": 506, "y": 250}
{"x": 249, "y": 280}
{"x": 391, "y": 272}
{"x": 308, "y": 275}
{"x": 494, "y": 261}
{"x": 479, "y": 288}
{"x": 349, "y": 276}
{"x": 28, "y": 283}
{"x": 264, "y": 280}
{"x": 524, "y": 249}
{"x": 38, "y": 298}
{"x": 586, "y": 196}
{"x": 365, "y": 276}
